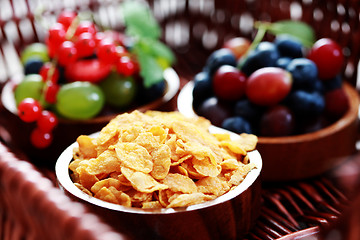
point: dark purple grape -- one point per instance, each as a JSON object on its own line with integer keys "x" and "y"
{"x": 277, "y": 121}
{"x": 214, "y": 110}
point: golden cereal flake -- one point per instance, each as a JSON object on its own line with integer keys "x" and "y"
{"x": 141, "y": 181}
{"x": 212, "y": 185}
{"x": 184, "y": 200}
{"x": 161, "y": 162}
{"x": 107, "y": 162}
{"x": 134, "y": 156}
{"x": 179, "y": 183}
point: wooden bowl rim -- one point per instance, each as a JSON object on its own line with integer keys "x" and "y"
{"x": 172, "y": 82}
{"x": 184, "y": 103}
{"x": 65, "y": 183}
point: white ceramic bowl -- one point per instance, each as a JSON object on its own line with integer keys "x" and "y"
{"x": 229, "y": 216}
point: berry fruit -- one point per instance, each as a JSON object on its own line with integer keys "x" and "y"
{"x": 328, "y": 57}
{"x": 29, "y": 110}
{"x": 40, "y": 139}
{"x": 268, "y": 86}
{"x": 229, "y": 83}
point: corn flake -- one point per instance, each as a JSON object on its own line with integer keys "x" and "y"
{"x": 159, "y": 160}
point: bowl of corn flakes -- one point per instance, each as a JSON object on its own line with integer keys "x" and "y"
{"x": 162, "y": 175}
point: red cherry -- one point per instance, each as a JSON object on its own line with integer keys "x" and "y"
{"x": 40, "y": 139}
{"x": 67, "y": 53}
{"x": 328, "y": 57}
{"x": 268, "y": 86}
{"x": 47, "y": 121}
{"x": 66, "y": 18}
{"x": 229, "y": 83}
{"x": 46, "y": 75}
{"x": 29, "y": 110}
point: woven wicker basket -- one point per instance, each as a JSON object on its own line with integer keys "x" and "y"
{"x": 28, "y": 200}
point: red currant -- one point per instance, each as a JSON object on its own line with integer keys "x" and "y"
{"x": 49, "y": 72}
{"x": 125, "y": 66}
{"x": 328, "y": 57}
{"x": 85, "y": 26}
{"x": 47, "y": 121}
{"x": 29, "y": 110}
{"x": 51, "y": 91}
{"x": 40, "y": 139}
{"x": 66, "y": 18}
{"x": 67, "y": 53}
{"x": 57, "y": 35}
{"x": 106, "y": 51}
{"x": 85, "y": 44}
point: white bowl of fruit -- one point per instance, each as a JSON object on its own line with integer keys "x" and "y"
{"x": 80, "y": 77}
{"x": 289, "y": 94}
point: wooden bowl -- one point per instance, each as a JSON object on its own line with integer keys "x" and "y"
{"x": 301, "y": 156}
{"x": 229, "y": 216}
{"x": 17, "y": 133}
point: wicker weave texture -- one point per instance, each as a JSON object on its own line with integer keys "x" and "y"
{"x": 192, "y": 28}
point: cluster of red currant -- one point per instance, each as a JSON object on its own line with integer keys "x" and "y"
{"x": 69, "y": 40}
{"x": 30, "y": 111}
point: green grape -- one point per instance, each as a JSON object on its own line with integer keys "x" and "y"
{"x": 119, "y": 91}
{"x": 79, "y": 100}
{"x": 31, "y": 87}
{"x": 35, "y": 50}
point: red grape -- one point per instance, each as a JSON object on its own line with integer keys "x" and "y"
{"x": 336, "y": 103}
{"x": 277, "y": 121}
{"x": 268, "y": 86}
{"x": 328, "y": 57}
{"x": 238, "y": 46}
{"x": 229, "y": 83}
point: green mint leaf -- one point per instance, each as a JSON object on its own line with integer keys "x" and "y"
{"x": 150, "y": 70}
{"x": 139, "y": 20}
{"x": 300, "y": 30}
